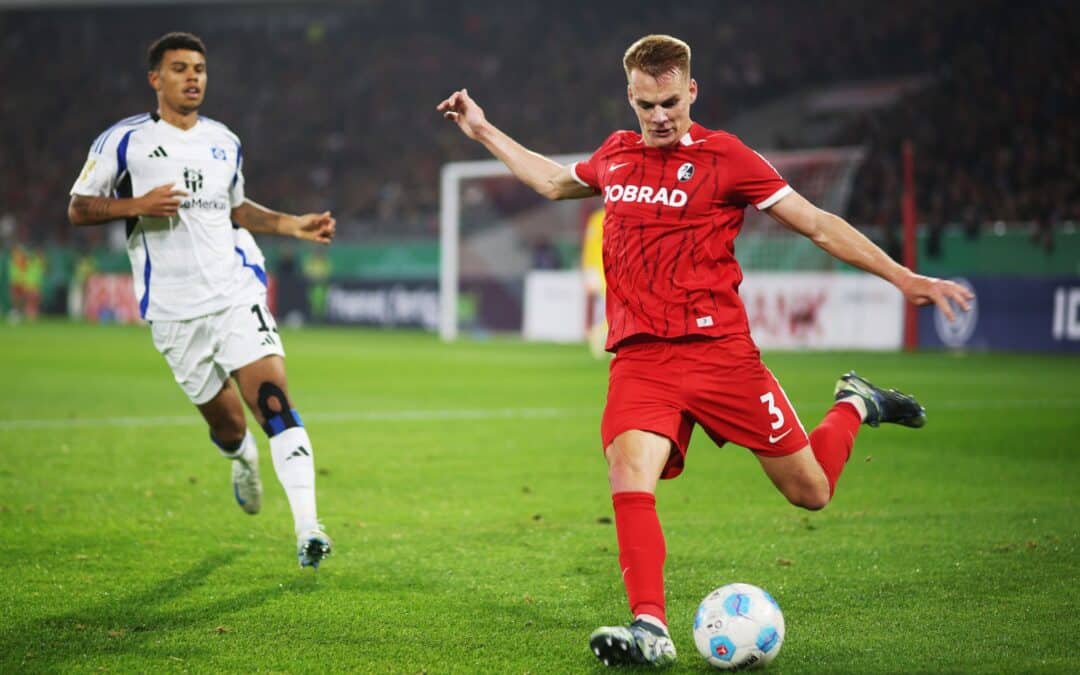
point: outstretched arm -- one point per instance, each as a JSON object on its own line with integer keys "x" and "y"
{"x": 837, "y": 237}
{"x": 547, "y": 177}
{"x": 317, "y": 227}
{"x": 162, "y": 201}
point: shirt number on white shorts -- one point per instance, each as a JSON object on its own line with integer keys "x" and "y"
{"x": 768, "y": 399}
{"x": 258, "y": 312}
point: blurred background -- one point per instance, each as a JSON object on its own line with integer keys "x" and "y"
{"x": 335, "y": 104}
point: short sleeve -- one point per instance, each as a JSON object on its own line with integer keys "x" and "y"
{"x": 99, "y": 174}
{"x": 587, "y": 172}
{"x": 752, "y": 179}
{"x": 236, "y": 188}
{"x": 584, "y": 173}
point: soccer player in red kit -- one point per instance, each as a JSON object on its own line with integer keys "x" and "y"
{"x": 674, "y": 196}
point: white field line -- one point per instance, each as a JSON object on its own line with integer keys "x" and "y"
{"x": 451, "y": 415}
{"x": 366, "y": 416}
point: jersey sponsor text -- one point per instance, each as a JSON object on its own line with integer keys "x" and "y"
{"x": 205, "y": 204}
{"x": 644, "y": 194}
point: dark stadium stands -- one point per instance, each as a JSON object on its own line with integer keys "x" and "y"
{"x": 335, "y": 102}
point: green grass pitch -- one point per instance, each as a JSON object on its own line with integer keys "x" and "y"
{"x": 466, "y": 493}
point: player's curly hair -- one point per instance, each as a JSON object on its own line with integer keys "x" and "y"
{"x": 172, "y": 41}
{"x": 657, "y": 54}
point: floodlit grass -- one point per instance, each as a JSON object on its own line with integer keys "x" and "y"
{"x": 466, "y": 493}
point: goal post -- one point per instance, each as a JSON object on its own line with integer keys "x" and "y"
{"x": 452, "y": 176}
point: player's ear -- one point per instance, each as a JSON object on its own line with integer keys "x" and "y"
{"x": 693, "y": 90}
{"x": 154, "y": 78}
{"x": 630, "y": 95}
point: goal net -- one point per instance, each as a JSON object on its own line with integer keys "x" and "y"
{"x": 498, "y": 237}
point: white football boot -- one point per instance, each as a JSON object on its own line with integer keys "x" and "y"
{"x": 312, "y": 545}
{"x": 247, "y": 487}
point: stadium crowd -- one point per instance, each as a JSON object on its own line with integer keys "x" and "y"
{"x": 335, "y": 102}
{"x": 996, "y": 136}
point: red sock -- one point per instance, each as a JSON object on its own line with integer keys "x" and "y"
{"x": 641, "y": 552}
{"x": 831, "y": 441}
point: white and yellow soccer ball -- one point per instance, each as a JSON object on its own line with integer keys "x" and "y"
{"x": 738, "y": 626}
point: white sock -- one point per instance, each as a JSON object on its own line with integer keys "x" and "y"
{"x": 295, "y": 468}
{"x": 248, "y": 452}
{"x": 649, "y": 618}
{"x": 858, "y": 403}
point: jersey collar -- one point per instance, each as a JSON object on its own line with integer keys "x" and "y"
{"x": 162, "y": 124}
{"x": 687, "y": 138}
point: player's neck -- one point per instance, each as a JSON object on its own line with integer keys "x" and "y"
{"x": 183, "y": 121}
{"x": 676, "y": 142}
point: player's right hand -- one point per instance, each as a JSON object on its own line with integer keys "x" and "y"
{"x": 947, "y": 295}
{"x": 460, "y": 109}
{"x": 162, "y": 201}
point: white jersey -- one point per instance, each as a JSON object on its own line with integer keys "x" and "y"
{"x": 252, "y": 283}
{"x": 187, "y": 265}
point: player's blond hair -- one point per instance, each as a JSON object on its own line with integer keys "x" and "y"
{"x": 656, "y": 55}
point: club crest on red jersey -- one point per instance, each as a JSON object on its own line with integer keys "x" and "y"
{"x": 685, "y": 173}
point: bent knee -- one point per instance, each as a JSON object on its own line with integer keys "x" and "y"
{"x": 811, "y": 499}
{"x": 811, "y": 493}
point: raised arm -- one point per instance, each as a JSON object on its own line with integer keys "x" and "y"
{"x": 547, "y": 177}
{"x": 162, "y": 201}
{"x": 837, "y": 237}
{"x": 316, "y": 227}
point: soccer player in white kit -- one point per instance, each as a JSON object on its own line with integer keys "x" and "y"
{"x": 176, "y": 178}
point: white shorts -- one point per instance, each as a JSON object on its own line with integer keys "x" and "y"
{"x": 203, "y": 352}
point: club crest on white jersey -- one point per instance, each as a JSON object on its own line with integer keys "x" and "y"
{"x": 188, "y": 264}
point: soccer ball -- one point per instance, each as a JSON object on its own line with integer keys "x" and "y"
{"x": 738, "y": 626}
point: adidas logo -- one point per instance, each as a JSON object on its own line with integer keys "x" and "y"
{"x": 300, "y": 451}
{"x": 158, "y": 152}
{"x": 268, "y": 340}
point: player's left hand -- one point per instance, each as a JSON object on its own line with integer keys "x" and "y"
{"x": 460, "y": 109}
{"x": 947, "y": 295}
{"x": 317, "y": 227}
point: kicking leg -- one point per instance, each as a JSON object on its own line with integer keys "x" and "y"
{"x": 808, "y": 477}
{"x": 799, "y": 477}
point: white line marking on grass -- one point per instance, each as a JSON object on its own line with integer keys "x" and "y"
{"x": 450, "y": 415}
{"x": 995, "y": 404}
{"x": 77, "y": 423}
{"x": 367, "y": 416}
{"x": 438, "y": 415}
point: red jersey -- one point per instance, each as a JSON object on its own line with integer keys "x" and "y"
{"x": 671, "y": 218}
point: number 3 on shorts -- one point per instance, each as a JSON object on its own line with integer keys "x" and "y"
{"x": 767, "y": 399}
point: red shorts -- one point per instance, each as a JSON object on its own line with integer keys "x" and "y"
{"x": 666, "y": 387}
